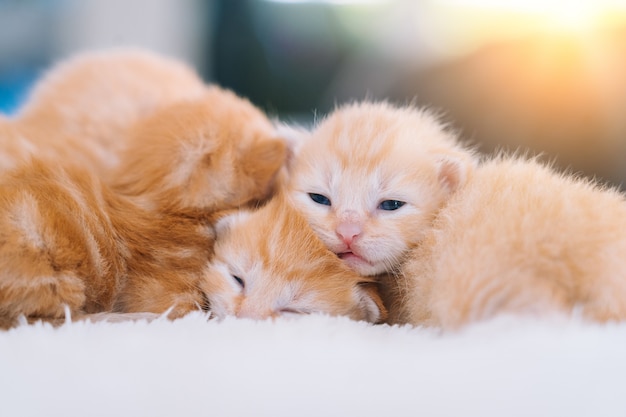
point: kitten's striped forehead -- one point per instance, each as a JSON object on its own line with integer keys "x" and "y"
{"x": 365, "y": 135}
{"x": 353, "y": 143}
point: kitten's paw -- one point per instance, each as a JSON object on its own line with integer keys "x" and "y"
{"x": 183, "y": 304}
{"x": 7, "y": 322}
{"x": 41, "y": 296}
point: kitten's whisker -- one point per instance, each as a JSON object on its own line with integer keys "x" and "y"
{"x": 166, "y": 313}
{"x": 68, "y": 314}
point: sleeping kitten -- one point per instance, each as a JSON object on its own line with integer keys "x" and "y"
{"x": 370, "y": 178}
{"x": 91, "y": 101}
{"x": 269, "y": 263}
{"x": 141, "y": 245}
{"x": 518, "y": 238}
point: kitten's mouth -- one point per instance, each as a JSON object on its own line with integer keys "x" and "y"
{"x": 352, "y": 257}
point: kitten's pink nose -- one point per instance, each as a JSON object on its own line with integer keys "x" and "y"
{"x": 348, "y": 231}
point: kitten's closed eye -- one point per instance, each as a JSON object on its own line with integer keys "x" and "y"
{"x": 320, "y": 199}
{"x": 287, "y": 311}
{"x": 240, "y": 281}
{"x": 391, "y": 205}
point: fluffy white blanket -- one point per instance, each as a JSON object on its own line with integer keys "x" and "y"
{"x": 314, "y": 366}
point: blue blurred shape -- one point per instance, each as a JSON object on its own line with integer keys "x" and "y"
{"x": 14, "y": 87}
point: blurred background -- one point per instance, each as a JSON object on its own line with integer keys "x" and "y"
{"x": 547, "y": 76}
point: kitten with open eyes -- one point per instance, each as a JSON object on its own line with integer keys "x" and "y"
{"x": 90, "y": 102}
{"x": 519, "y": 239}
{"x": 269, "y": 263}
{"x": 370, "y": 178}
{"x": 142, "y": 243}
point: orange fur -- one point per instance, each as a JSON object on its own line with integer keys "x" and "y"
{"x": 521, "y": 239}
{"x": 362, "y": 155}
{"x": 218, "y": 142}
{"x": 284, "y": 269}
{"x": 69, "y": 241}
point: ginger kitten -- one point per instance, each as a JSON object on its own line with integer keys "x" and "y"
{"x": 269, "y": 263}
{"x": 370, "y": 178}
{"x": 90, "y": 101}
{"x": 519, "y": 238}
{"x": 68, "y": 239}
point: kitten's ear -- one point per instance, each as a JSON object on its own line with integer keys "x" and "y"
{"x": 368, "y": 299}
{"x": 453, "y": 170}
{"x": 264, "y": 159}
{"x": 294, "y": 136}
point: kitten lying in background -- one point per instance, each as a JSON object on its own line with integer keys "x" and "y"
{"x": 370, "y": 179}
{"x": 519, "y": 238}
{"x": 269, "y": 263}
{"x": 141, "y": 244}
{"x": 90, "y": 102}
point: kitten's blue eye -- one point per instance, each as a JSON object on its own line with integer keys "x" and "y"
{"x": 391, "y": 205}
{"x": 320, "y": 199}
{"x": 240, "y": 281}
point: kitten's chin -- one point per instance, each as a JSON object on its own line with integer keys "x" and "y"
{"x": 359, "y": 264}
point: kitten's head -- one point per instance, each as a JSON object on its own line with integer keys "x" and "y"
{"x": 215, "y": 153}
{"x": 370, "y": 179}
{"x": 269, "y": 263}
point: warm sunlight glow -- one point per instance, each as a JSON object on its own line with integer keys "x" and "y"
{"x": 332, "y": 2}
{"x": 472, "y": 23}
{"x": 574, "y": 16}
{"x": 577, "y": 16}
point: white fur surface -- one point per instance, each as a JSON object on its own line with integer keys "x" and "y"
{"x": 314, "y": 366}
